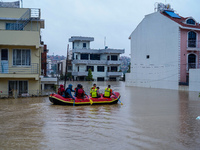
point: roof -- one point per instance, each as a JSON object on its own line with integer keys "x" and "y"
{"x": 182, "y": 21}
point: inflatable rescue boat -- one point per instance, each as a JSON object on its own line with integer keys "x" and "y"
{"x": 87, "y": 100}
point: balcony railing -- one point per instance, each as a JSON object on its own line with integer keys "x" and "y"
{"x": 193, "y": 45}
{"x": 101, "y": 62}
{"x": 79, "y": 73}
{"x": 114, "y": 74}
{"x": 98, "y": 51}
{"x": 11, "y": 69}
{"x": 112, "y": 62}
{"x": 97, "y": 62}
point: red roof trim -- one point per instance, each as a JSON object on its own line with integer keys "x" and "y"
{"x": 182, "y": 21}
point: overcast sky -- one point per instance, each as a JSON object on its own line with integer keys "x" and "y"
{"x": 113, "y": 19}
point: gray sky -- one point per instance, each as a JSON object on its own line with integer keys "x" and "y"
{"x": 113, "y": 19}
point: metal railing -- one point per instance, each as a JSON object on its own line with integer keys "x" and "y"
{"x": 30, "y": 14}
{"x": 193, "y": 44}
{"x": 19, "y": 69}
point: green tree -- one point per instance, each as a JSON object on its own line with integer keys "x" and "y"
{"x": 90, "y": 76}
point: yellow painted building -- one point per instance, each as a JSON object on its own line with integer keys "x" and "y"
{"x": 20, "y": 51}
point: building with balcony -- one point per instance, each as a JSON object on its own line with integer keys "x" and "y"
{"x": 20, "y": 50}
{"x": 104, "y": 63}
{"x": 164, "y": 48}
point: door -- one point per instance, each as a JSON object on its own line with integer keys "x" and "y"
{"x": 191, "y": 61}
{"x": 4, "y": 61}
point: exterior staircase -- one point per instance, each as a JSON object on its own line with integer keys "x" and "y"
{"x": 31, "y": 14}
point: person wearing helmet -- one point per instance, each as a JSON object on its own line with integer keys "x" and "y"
{"x": 61, "y": 90}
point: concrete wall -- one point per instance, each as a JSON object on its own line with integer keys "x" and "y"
{"x": 155, "y": 49}
{"x": 194, "y": 80}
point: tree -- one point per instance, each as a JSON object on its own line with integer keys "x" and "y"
{"x": 90, "y": 76}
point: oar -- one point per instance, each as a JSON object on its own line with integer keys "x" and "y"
{"x": 91, "y": 102}
{"x": 74, "y": 102}
{"x": 117, "y": 98}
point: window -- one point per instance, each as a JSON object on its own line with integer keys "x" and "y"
{"x": 191, "y": 61}
{"x": 14, "y": 26}
{"x": 113, "y": 69}
{"x": 100, "y": 68}
{"x": 90, "y": 67}
{"x": 20, "y": 86}
{"x": 190, "y": 21}
{"x": 4, "y": 54}
{"x": 84, "y": 56}
{"x": 84, "y": 45}
{"x": 21, "y": 57}
{"x": 191, "y": 39}
{"x": 94, "y": 56}
{"x": 113, "y": 57}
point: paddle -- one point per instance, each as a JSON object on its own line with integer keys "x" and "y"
{"x": 74, "y": 102}
{"x": 91, "y": 102}
{"x": 117, "y": 98}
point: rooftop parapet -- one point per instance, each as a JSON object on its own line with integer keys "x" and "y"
{"x": 80, "y": 38}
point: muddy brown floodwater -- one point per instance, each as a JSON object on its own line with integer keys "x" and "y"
{"x": 150, "y": 119}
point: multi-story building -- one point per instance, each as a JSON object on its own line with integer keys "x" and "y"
{"x": 104, "y": 63}
{"x": 20, "y": 50}
{"x": 165, "y": 51}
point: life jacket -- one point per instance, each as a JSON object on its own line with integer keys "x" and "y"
{"x": 94, "y": 92}
{"x": 66, "y": 93}
{"x": 76, "y": 91}
{"x": 80, "y": 93}
{"x": 92, "y": 88}
{"x": 107, "y": 92}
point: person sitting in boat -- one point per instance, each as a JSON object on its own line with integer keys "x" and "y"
{"x": 108, "y": 92}
{"x": 98, "y": 93}
{"x": 61, "y": 90}
{"x": 80, "y": 92}
{"x": 94, "y": 93}
{"x": 76, "y": 89}
{"x": 68, "y": 92}
{"x": 92, "y": 88}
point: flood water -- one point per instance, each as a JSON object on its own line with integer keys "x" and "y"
{"x": 149, "y": 119}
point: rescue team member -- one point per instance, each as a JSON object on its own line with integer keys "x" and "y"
{"x": 108, "y": 92}
{"x": 80, "y": 92}
{"x": 95, "y": 93}
{"x": 76, "y": 89}
{"x": 61, "y": 90}
{"x": 68, "y": 92}
{"x": 94, "y": 87}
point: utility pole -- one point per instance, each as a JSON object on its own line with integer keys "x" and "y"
{"x": 66, "y": 64}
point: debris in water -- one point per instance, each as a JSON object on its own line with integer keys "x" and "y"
{"x": 198, "y": 118}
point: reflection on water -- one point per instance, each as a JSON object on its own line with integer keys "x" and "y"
{"x": 149, "y": 119}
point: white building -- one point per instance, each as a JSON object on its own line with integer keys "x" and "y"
{"x": 161, "y": 50}
{"x": 104, "y": 63}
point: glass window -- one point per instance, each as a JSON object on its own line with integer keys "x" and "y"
{"x": 14, "y": 26}
{"x": 90, "y": 67}
{"x": 190, "y": 21}
{"x": 4, "y": 54}
{"x": 113, "y": 69}
{"x": 84, "y": 56}
{"x": 20, "y": 86}
{"x": 94, "y": 56}
{"x": 21, "y": 57}
{"x": 100, "y": 68}
{"x": 114, "y": 57}
{"x": 191, "y": 39}
{"x": 84, "y": 45}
